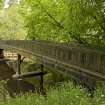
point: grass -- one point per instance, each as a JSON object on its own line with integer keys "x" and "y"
{"x": 66, "y": 94}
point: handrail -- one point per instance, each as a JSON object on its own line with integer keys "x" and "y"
{"x": 81, "y": 56}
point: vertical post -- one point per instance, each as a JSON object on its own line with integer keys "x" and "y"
{"x": 2, "y": 57}
{"x": 41, "y": 81}
{"x": 1, "y": 53}
{"x": 19, "y": 72}
{"x": 19, "y": 63}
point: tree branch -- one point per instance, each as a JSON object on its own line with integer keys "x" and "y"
{"x": 102, "y": 27}
{"x": 58, "y": 24}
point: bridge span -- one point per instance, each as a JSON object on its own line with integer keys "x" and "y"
{"x": 69, "y": 59}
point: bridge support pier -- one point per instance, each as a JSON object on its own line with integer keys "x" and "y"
{"x": 18, "y": 71}
{"x": 41, "y": 80}
{"x": 21, "y": 76}
{"x": 19, "y": 64}
{"x": 1, "y": 53}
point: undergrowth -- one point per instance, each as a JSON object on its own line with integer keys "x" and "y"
{"x": 65, "y": 94}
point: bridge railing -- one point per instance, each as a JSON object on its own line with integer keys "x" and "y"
{"x": 79, "y": 56}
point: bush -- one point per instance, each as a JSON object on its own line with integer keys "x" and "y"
{"x": 66, "y": 94}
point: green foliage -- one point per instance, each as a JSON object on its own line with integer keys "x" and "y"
{"x": 65, "y": 94}
{"x": 65, "y": 20}
{"x": 86, "y": 17}
{"x": 50, "y": 79}
{"x": 11, "y": 24}
{"x": 44, "y": 19}
{"x": 1, "y": 4}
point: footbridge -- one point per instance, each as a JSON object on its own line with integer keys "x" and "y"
{"x": 69, "y": 59}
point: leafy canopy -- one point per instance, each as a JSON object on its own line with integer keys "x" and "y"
{"x": 82, "y": 21}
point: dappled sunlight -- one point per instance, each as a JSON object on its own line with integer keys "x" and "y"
{"x": 52, "y": 52}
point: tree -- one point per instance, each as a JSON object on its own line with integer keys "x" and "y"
{"x": 87, "y": 18}
{"x": 11, "y": 24}
{"x": 43, "y": 21}
{"x": 82, "y": 21}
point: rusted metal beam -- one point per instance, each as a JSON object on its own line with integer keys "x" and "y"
{"x": 29, "y": 74}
